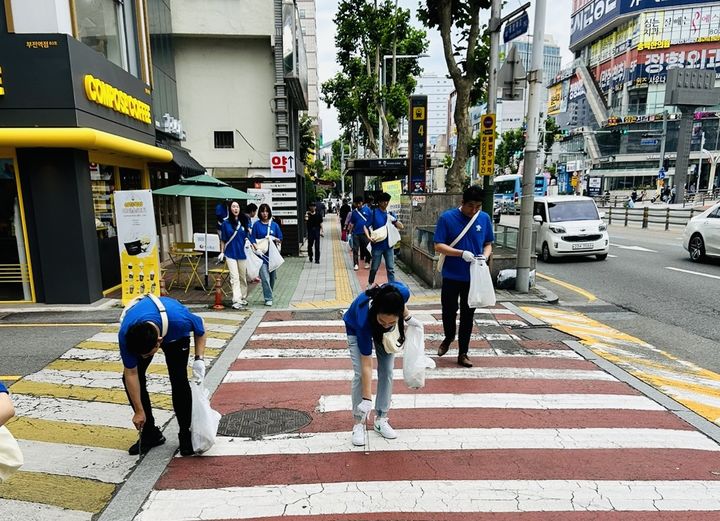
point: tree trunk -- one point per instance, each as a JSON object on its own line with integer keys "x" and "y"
{"x": 456, "y": 175}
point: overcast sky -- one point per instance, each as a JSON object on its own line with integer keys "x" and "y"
{"x": 558, "y": 25}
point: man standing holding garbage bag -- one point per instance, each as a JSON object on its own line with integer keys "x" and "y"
{"x": 461, "y": 235}
{"x": 148, "y": 324}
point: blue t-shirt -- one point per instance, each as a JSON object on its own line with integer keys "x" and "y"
{"x": 260, "y": 231}
{"x": 180, "y": 324}
{"x": 221, "y": 212}
{"x": 3, "y": 389}
{"x": 377, "y": 220}
{"x": 236, "y": 248}
{"x": 358, "y": 221}
{"x": 450, "y": 224}
{"x": 356, "y": 318}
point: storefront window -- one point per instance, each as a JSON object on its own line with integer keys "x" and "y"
{"x": 130, "y": 179}
{"x": 101, "y": 26}
{"x": 102, "y": 180}
{"x": 14, "y": 269}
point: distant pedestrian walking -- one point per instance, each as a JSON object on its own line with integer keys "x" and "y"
{"x": 314, "y": 221}
{"x": 380, "y": 218}
{"x": 153, "y": 323}
{"x": 234, "y": 232}
{"x": 461, "y": 235}
{"x": 264, "y": 231}
{"x": 378, "y": 311}
{"x": 358, "y": 221}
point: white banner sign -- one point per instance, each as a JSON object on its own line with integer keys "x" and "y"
{"x": 285, "y": 195}
{"x": 260, "y": 196}
{"x": 290, "y": 221}
{"x": 282, "y": 164}
{"x": 285, "y": 213}
{"x": 213, "y": 241}
{"x": 284, "y": 204}
{"x": 275, "y": 186}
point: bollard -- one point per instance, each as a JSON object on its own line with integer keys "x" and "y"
{"x": 218, "y": 293}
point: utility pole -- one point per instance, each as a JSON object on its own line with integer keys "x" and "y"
{"x": 699, "y": 167}
{"x": 342, "y": 170}
{"x": 494, "y": 25}
{"x": 663, "y": 140}
{"x": 535, "y": 80}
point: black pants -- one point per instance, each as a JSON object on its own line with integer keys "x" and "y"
{"x": 314, "y": 238}
{"x": 176, "y": 357}
{"x": 360, "y": 242}
{"x": 451, "y": 291}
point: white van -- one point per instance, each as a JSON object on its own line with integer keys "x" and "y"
{"x": 569, "y": 225}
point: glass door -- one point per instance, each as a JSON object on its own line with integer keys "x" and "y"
{"x": 15, "y": 284}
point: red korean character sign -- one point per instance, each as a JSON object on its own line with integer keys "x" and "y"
{"x": 282, "y": 164}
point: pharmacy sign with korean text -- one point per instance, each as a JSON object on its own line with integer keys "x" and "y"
{"x": 486, "y": 152}
{"x": 282, "y": 164}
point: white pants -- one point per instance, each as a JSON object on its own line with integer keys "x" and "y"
{"x": 238, "y": 279}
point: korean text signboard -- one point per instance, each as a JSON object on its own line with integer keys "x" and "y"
{"x": 137, "y": 240}
{"x": 486, "y": 152}
{"x": 418, "y": 143}
{"x": 394, "y": 188}
{"x": 282, "y": 164}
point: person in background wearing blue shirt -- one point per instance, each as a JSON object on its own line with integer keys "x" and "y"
{"x": 7, "y": 410}
{"x": 221, "y": 214}
{"x": 140, "y": 337}
{"x": 268, "y": 229}
{"x": 371, "y": 315}
{"x": 477, "y": 242}
{"x": 357, "y": 222}
{"x": 233, "y": 234}
{"x": 379, "y": 218}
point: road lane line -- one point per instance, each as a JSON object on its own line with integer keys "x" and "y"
{"x": 266, "y": 353}
{"x": 12, "y": 509}
{"x": 589, "y": 296}
{"x": 693, "y": 272}
{"x": 96, "y": 380}
{"x": 429, "y": 337}
{"x": 73, "y": 433}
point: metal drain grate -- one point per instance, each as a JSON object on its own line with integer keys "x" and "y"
{"x": 256, "y": 423}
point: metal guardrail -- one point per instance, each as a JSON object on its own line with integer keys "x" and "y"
{"x": 651, "y": 216}
{"x": 701, "y": 198}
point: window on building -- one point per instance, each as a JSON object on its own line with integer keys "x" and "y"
{"x": 101, "y": 26}
{"x": 224, "y": 139}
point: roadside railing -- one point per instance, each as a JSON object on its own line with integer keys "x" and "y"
{"x": 647, "y": 216}
{"x": 701, "y": 198}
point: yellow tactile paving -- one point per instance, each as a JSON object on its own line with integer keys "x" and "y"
{"x": 98, "y": 365}
{"x": 72, "y": 433}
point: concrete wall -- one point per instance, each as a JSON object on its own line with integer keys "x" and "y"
{"x": 223, "y": 18}
{"x": 224, "y": 85}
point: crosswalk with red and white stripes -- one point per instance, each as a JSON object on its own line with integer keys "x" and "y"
{"x": 532, "y": 431}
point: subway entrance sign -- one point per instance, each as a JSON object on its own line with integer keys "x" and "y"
{"x": 486, "y": 151}
{"x": 418, "y": 144}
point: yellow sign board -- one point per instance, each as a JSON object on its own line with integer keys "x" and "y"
{"x": 418, "y": 113}
{"x": 108, "y": 96}
{"x": 486, "y": 152}
{"x": 394, "y": 188}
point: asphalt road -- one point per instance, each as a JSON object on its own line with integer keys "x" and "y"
{"x": 657, "y": 293}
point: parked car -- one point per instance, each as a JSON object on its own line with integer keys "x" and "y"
{"x": 701, "y": 237}
{"x": 569, "y": 225}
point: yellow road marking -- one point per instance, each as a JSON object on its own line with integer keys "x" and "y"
{"x": 99, "y": 365}
{"x": 56, "y": 324}
{"x": 569, "y": 286}
{"x": 224, "y": 321}
{"x": 89, "y": 394}
{"x": 9, "y": 378}
{"x": 69, "y": 492}
{"x": 210, "y": 352}
{"x": 72, "y": 433}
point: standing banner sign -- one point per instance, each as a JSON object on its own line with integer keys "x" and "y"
{"x": 394, "y": 188}
{"x": 137, "y": 241}
{"x": 486, "y": 153}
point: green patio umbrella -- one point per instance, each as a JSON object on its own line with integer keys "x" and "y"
{"x": 203, "y": 187}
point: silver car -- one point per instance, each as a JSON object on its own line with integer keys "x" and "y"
{"x": 701, "y": 237}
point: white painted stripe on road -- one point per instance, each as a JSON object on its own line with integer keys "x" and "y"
{"x": 442, "y": 373}
{"x": 341, "y": 402}
{"x": 104, "y": 355}
{"x": 303, "y": 323}
{"x": 612, "y": 256}
{"x": 156, "y": 383}
{"x": 469, "y": 439}
{"x": 342, "y": 336}
{"x": 693, "y": 272}
{"x": 423, "y": 318}
{"x": 633, "y": 248}
{"x": 113, "y": 338}
{"x": 107, "y": 465}
{"x": 77, "y": 411}
{"x": 24, "y": 510}
{"x": 437, "y": 496}
{"x": 262, "y": 353}
{"x": 478, "y": 311}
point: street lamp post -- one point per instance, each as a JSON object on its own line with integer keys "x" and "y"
{"x": 381, "y": 147}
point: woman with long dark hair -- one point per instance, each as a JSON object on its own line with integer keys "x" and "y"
{"x": 380, "y": 310}
{"x": 263, "y": 231}
{"x": 234, "y": 231}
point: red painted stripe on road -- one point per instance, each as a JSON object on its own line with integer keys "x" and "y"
{"x": 531, "y": 464}
{"x": 301, "y": 343}
{"x": 299, "y": 329}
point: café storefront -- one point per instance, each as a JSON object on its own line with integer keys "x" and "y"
{"x": 74, "y": 128}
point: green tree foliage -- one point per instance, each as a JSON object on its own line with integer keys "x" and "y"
{"x": 551, "y": 131}
{"x": 365, "y": 33}
{"x": 466, "y": 45}
{"x": 307, "y": 140}
{"x": 510, "y": 149}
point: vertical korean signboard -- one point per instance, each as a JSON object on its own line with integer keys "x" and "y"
{"x": 486, "y": 153}
{"x": 418, "y": 143}
{"x": 137, "y": 240}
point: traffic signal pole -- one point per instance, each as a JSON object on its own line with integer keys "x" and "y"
{"x": 535, "y": 80}
{"x": 663, "y": 139}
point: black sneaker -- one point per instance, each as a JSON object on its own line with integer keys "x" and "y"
{"x": 148, "y": 443}
{"x": 186, "y": 448}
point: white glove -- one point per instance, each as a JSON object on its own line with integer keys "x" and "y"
{"x": 364, "y": 408}
{"x": 198, "y": 370}
{"x": 414, "y": 322}
{"x": 468, "y": 256}
{"x": 221, "y": 257}
{"x": 481, "y": 258}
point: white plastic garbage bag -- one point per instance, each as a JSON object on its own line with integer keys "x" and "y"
{"x": 204, "y": 420}
{"x": 482, "y": 293}
{"x": 414, "y": 359}
{"x": 393, "y": 235}
{"x": 275, "y": 260}
{"x": 253, "y": 263}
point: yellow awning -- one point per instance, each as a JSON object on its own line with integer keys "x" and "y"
{"x": 81, "y": 138}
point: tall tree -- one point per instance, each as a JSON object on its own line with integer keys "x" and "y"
{"x": 466, "y": 45}
{"x": 511, "y": 146}
{"x": 366, "y": 31}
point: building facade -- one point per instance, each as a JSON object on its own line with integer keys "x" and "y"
{"x": 610, "y": 101}
{"x": 307, "y": 11}
{"x": 437, "y": 88}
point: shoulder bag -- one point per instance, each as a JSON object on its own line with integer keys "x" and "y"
{"x": 262, "y": 245}
{"x": 441, "y": 260}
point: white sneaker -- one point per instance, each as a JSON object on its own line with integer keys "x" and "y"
{"x": 367, "y": 266}
{"x": 356, "y": 267}
{"x": 268, "y": 302}
{"x": 382, "y": 427}
{"x": 358, "y": 435}
{"x": 244, "y": 302}
{"x": 237, "y": 305}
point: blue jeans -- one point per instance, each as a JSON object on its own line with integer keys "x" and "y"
{"x": 267, "y": 278}
{"x": 377, "y": 256}
{"x": 385, "y": 365}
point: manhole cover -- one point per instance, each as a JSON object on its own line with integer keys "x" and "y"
{"x": 256, "y": 423}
